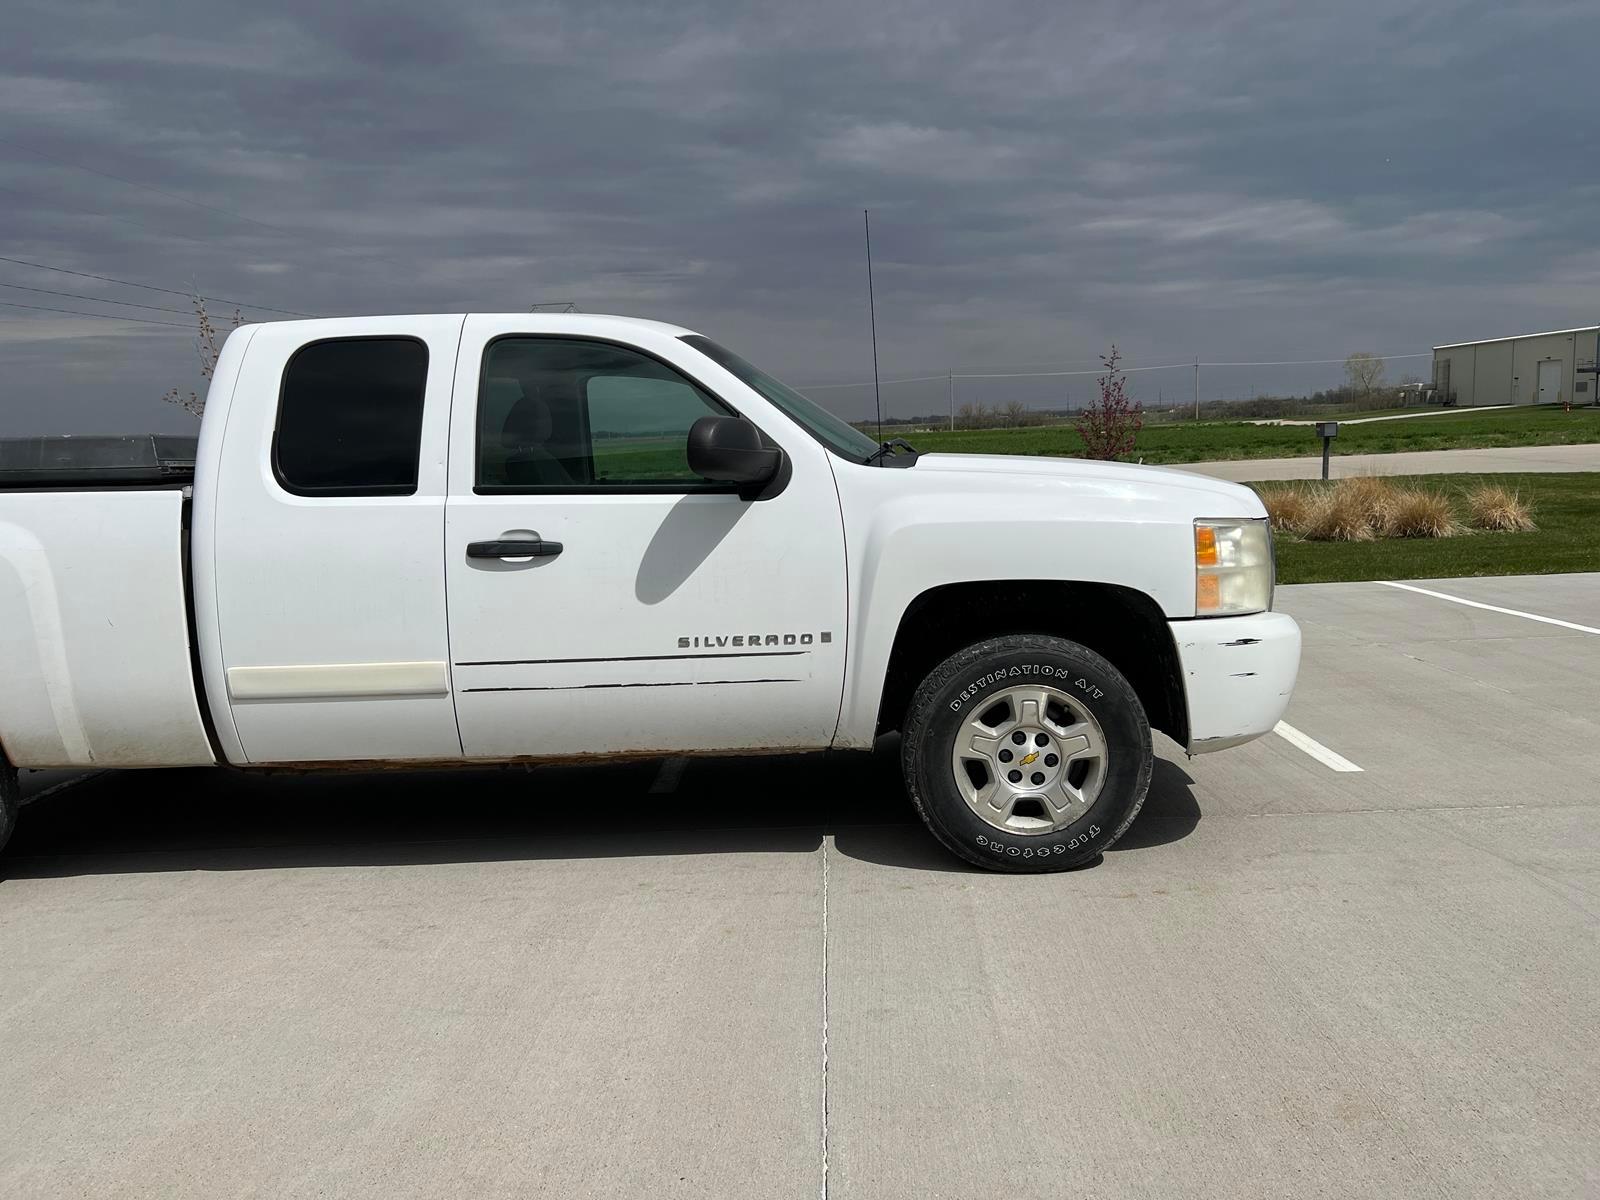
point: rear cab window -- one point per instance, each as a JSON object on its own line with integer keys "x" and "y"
{"x": 350, "y": 417}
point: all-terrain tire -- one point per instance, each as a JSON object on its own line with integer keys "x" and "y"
{"x": 975, "y": 676}
{"x": 10, "y": 800}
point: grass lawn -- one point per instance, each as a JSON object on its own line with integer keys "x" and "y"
{"x": 1566, "y": 507}
{"x": 1207, "y": 440}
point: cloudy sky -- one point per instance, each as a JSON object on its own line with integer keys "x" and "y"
{"x": 1234, "y": 181}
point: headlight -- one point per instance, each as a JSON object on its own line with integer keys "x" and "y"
{"x": 1233, "y": 567}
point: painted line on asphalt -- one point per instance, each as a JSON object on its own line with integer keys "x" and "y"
{"x": 1301, "y": 741}
{"x": 1510, "y": 612}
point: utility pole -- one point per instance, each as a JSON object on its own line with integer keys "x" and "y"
{"x": 1196, "y": 387}
{"x": 950, "y": 380}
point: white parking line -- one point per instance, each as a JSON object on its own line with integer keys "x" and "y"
{"x": 1510, "y": 612}
{"x": 1335, "y": 762}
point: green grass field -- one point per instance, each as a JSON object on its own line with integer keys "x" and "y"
{"x": 1566, "y": 508}
{"x": 1208, "y": 440}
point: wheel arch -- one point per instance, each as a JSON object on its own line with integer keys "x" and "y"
{"x": 1121, "y": 624}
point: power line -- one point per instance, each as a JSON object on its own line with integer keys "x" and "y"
{"x": 1307, "y": 362}
{"x": 1057, "y": 374}
{"x": 817, "y": 387}
{"x": 1297, "y": 362}
{"x": 72, "y": 312}
{"x": 1008, "y": 375}
{"x": 149, "y": 287}
{"x": 97, "y": 299}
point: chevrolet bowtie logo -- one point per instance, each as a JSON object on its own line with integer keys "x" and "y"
{"x": 1028, "y": 760}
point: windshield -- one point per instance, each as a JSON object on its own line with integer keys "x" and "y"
{"x": 839, "y": 436}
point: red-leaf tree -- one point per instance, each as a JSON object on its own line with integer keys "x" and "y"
{"x": 1109, "y": 426}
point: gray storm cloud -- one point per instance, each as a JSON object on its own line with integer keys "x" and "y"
{"x": 1224, "y": 180}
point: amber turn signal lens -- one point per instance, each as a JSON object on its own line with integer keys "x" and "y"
{"x": 1205, "y": 546}
{"x": 1207, "y": 593}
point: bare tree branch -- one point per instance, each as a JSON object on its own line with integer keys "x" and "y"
{"x": 208, "y": 346}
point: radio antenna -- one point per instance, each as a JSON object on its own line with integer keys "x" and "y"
{"x": 872, "y": 311}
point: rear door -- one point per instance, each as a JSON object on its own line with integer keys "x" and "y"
{"x": 676, "y": 615}
{"x": 327, "y": 551}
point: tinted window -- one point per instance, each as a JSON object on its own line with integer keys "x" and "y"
{"x": 839, "y": 436}
{"x": 350, "y": 417}
{"x": 562, "y": 414}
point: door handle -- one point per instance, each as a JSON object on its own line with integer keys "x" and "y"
{"x": 534, "y": 547}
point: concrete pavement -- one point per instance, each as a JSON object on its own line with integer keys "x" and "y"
{"x": 1283, "y": 981}
{"x": 1399, "y": 416}
{"x": 1507, "y": 459}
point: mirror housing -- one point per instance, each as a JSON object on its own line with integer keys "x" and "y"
{"x": 730, "y": 450}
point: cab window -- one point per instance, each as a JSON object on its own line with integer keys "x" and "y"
{"x": 350, "y": 417}
{"x": 565, "y": 414}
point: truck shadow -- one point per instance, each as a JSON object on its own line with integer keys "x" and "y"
{"x": 188, "y": 820}
{"x": 1170, "y": 814}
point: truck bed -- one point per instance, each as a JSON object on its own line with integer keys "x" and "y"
{"x": 95, "y": 665}
{"x": 132, "y": 460}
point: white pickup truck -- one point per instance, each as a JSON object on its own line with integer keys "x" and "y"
{"x": 428, "y": 540}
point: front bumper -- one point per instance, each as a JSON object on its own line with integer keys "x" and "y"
{"x": 1238, "y": 674}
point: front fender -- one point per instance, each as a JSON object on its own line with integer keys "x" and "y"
{"x": 907, "y": 536}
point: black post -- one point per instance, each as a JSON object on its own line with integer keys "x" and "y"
{"x": 1328, "y": 430}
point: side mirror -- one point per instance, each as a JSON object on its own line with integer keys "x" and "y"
{"x": 729, "y": 450}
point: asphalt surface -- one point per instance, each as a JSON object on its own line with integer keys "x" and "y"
{"x": 762, "y": 978}
{"x": 1493, "y": 460}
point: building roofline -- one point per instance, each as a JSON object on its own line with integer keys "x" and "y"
{"x": 1517, "y": 337}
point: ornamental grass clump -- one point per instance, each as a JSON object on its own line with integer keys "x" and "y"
{"x": 1419, "y": 513}
{"x": 1499, "y": 510}
{"x": 1350, "y": 510}
{"x": 1366, "y": 507}
{"x": 1339, "y": 514}
{"x": 1286, "y": 508}
{"x": 1372, "y": 496}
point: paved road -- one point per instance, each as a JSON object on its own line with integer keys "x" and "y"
{"x": 1541, "y": 459}
{"x": 1401, "y": 416}
{"x": 1285, "y": 981}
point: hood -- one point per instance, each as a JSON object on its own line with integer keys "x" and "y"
{"x": 1233, "y": 499}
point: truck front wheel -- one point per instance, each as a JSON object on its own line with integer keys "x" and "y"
{"x": 10, "y": 799}
{"x": 1026, "y": 753}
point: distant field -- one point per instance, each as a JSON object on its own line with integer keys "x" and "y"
{"x": 1208, "y": 440}
{"x": 1566, "y": 508}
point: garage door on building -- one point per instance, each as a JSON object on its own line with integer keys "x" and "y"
{"x": 1550, "y": 373}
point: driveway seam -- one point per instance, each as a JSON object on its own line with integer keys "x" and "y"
{"x": 824, "y": 853}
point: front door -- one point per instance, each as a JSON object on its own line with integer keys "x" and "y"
{"x": 675, "y": 615}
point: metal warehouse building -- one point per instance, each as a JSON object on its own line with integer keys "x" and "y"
{"x": 1530, "y": 368}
